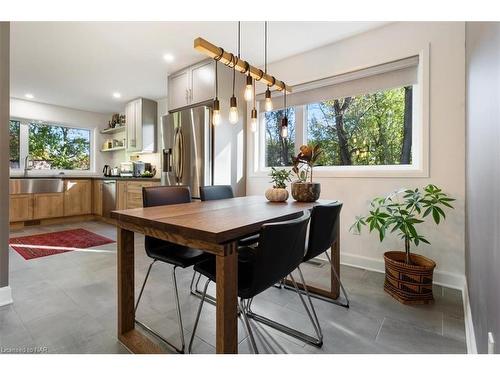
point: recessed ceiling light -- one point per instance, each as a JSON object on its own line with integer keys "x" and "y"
{"x": 29, "y": 96}
{"x": 168, "y": 57}
{"x": 117, "y": 95}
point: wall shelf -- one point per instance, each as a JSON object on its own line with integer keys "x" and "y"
{"x": 117, "y": 129}
{"x": 113, "y": 149}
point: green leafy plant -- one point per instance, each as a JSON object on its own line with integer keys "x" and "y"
{"x": 401, "y": 211}
{"x": 279, "y": 177}
{"x": 303, "y": 163}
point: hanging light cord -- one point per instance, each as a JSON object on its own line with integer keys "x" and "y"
{"x": 265, "y": 47}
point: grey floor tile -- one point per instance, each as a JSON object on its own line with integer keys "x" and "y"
{"x": 407, "y": 338}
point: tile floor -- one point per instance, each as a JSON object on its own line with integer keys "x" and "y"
{"x": 66, "y": 303}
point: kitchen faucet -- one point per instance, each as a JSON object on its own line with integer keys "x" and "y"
{"x": 27, "y": 167}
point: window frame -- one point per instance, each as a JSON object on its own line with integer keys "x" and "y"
{"x": 420, "y": 136}
{"x": 24, "y": 149}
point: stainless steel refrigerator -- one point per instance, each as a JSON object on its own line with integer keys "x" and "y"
{"x": 187, "y": 149}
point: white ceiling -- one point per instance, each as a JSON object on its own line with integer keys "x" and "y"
{"x": 80, "y": 64}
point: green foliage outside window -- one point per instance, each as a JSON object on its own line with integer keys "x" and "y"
{"x": 279, "y": 150}
{"x": 59, "y": 147}
{"x": 371, "y": 129}
{"x": 14, "y": 127}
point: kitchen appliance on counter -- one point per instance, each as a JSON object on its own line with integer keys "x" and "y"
{"x": 115, "y": 172}
{"x": 139, "y": 168}
{"x": 187, "y": 149}
{"x": 106, "y": 171}
{"x": 127, "y": 169}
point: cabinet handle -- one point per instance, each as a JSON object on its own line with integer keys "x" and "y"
{"x": 191, "y": 95}
{"x": 187, "y": 96}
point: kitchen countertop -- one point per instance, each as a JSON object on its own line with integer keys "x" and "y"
{"x": 91, "y": 177}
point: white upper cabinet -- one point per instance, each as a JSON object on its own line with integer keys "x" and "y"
{"x": 192, "y": 85}
{"x": 178, "y": 90}
{"x": 141, "y": 119}
{"x": 202, "y": 82}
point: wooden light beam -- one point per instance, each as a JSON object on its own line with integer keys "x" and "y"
{"x": 242, "y": 66}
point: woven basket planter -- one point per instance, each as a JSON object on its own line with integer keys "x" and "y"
{"x": 410, "y": 284}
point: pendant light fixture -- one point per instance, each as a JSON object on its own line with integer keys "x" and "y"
{"x": 253, "y": 113}
{"x": 249, "y": 88}
{"x": 233, "y": 105}
{"x": 216, "y": 118}
{"x": 268, "y": 102}
{"x": 284, "y": 120}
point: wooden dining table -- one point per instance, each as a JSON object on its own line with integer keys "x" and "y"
{"x": 212, "y": 226}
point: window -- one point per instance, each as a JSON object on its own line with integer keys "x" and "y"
{"x": 50, "y": 146}
{"x": 370, "y": 129}
{"x": 279, "y": 150}
{"x": 59, "y": 147}
{"x": 369, "y": 122}
{"x": 14, "y": 144}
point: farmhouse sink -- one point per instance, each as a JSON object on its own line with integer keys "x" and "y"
{"x": 36, "y": 185}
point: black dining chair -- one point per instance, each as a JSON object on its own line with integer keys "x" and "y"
{"x": 322, "y": 235}
{"x": 167, "y": 252}
{"x": 211, "y": 193}
{"x": 280, "y": 251}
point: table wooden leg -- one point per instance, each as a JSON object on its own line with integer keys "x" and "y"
{"x": 227, "y": 300}
{"x": 126, "y": 314}
{"x": 134, "y": 340}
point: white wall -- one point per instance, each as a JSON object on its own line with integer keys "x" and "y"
{"x": 447, "y": 137}
{"x": 26, "y": 109}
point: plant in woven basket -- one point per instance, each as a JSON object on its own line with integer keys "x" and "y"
{"x": 402, "y": 211}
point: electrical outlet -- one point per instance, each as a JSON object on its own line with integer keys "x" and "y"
{"x": 491, "y": 343}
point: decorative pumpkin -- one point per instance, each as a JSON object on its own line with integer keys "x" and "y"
{"x": 276, "y": 194}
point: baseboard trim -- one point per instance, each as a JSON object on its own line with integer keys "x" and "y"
{"x": 5, "y": 296}
{"x": 443, "y": 278}
{"x": 470, "y": 335}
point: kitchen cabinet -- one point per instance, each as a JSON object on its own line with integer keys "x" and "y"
{"x": 77, "y": 197}
{"x": 178, "y": 90}
{"x": 193, "y": 85}
{"x": 21, "y": 207}
{"x": 121, "y": 195}
{"x": 97, "y": 197}
{"x": 48, "y": 205}
{"x": 141, "y": 122}
{"x": 134, "y": 192}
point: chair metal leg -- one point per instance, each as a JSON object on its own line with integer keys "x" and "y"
{"x": 143, "y": 285}
{"x": 320, "y": 333}
{"x": 244, "y": 310}
{"x": 149, "y": 329}
{"x": 198, "y": 293}
{"x": 198, "y": 316}
{"x": 316, "y": 341}
{"x": 338, "y": 279}
{"x": 177, "y": 303}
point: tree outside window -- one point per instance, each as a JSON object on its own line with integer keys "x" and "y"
{"x": 370, "y": 129}
{"x": 279, "y": 150}
{"x": 14, "y": 133}
{"x": 59, "y": 147}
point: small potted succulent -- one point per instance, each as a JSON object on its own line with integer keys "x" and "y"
{"x": 279, "y": 178}
{"x": 304, "y": 189}
{"x": 408, "y": 276}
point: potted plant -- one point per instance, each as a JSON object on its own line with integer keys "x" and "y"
{"x": 279, "y": 178}
{"x": 304, "y": 189}
{"x": 408, "y": 276}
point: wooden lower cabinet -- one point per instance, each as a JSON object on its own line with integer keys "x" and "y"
{"x": 48, "y": 205}
{"x": 129, "y": 193}
{"x": 21, "y": 207}
{"x": 97, "y": 197}
{"x": 77, "y": 197}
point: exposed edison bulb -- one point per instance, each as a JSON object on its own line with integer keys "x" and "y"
{"x": 253, "y": 121}
{"x": 216, "y": 118}
{"x": 249, "y": 89}
{"x": 268, "y": 103}
{"x": 284, "y": 127}
{"x": 233, "y": 111}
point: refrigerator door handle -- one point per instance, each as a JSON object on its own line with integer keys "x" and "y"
{"x": 179, "y": 156}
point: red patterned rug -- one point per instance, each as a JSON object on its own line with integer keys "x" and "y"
{"x": 42, "y": 245}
